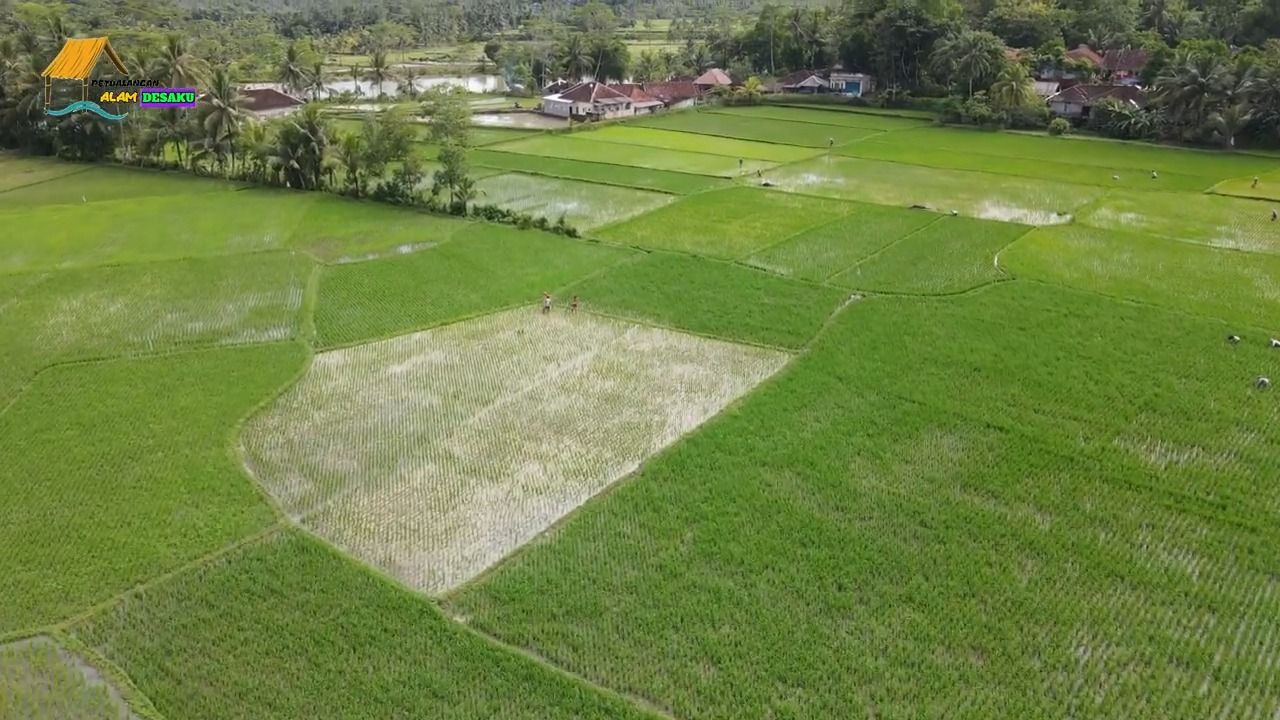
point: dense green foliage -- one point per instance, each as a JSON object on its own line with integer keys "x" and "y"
{"x": 712, "y": 298}
{"x": 337, "y": 642}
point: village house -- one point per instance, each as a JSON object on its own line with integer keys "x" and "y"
{"x": 674, "y": 94}
{"x": 641, "y": 102}
{"x": 1116, "y": 67}
{"x": 588, "y": 101}
{"x": 268, "y": 102}
{"x": 802, "y": 81}
{"x": 1077, "y": 102}
{"x": 712, "y": 79}
{"x": 836, "y": 81}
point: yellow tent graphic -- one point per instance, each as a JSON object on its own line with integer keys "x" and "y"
{"x": 76, "y": 61}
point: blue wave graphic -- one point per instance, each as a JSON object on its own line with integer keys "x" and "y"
{"x": 89, "y": 106}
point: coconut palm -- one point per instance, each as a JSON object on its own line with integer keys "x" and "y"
{"x": 219, "y": 114}
{"x": 1191, "y": 86}
{"x": 464, "y": 192}
{"x": 750, "y": 91}
{"x": 351, "y": 157}
{"x": 1013, "y": 88}
{"x": 176, "y": 65}
{"x": 290, "y": 73}
{"x": 378, "y": 70}
{"x": 300, "y": 149}
{"x": 315, "y": 80}
{"x": 970, "y": 58}
{"x": 574, "y": 57}
{"x": 356, "y": 73}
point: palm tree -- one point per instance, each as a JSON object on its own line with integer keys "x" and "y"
{"x": 258, "y": 149}
{"x": 1191, "y": 86}
{"x": 969, "y": 57}
{"x": 1230, "y": 120}
{"x": 290, "y": 73}
{"x": 378, "y": 68}
{"x": 575, "y": 57}
{"x": 463, "y": 192}
{"x": 219, "y": 115}
{"x": 315, "y": 80}
{"x": 405, "y": 79}
{"x": 1013, "y": 88}
{"x": 177, "y": 65}
{"x": 356, "y": 72}
{"x": 750, "y": 91}
{"x": 300, "y": 149}
{"x": 170, "y": 127}
{"x": 351, "y": 156}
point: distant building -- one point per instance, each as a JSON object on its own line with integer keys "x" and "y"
{"x": 588, "y": 101}
{"x": 268, "y": 102}
{"x": 836, "y": 80}
{"x": 1077, "y": 102}
{"x": 1124, "y": 67}
{"x": 674, "y": 94}
{"x": 851, "y": 84}
{"x": 641, "y": 102}
{"x": 1047, "y": 88}
{"x": 713, "y": 78}
{"x": 803, "y": 81}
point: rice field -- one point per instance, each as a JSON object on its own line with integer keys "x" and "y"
{"x": 583, "y": 205}
{"x": 573, "y": 147}
{"x": 932, "y": 423}
{"x": 38, "y": 679}
{"x": 980, "y": 195}
{"x": 431, "y": 456}
{"x": 730, "y": 223}
{"x": 763, "y": 129}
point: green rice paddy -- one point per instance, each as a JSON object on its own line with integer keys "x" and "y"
{"x": 940, "y": 423}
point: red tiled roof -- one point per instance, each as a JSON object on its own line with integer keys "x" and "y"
{"x": 673, "y": 91}
{"x": 1084, "y": 52}
{"x": 633, "y": 91}
{"x": 590, "y": 92}
{"x": 262, "y": 99}
{"x": 1125, "y": 60}
{"x": 714, "y": 76}
{"x": 1089, "y": 95}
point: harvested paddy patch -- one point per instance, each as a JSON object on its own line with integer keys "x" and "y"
{"x": 949, "y": 256}
{"x": 981, "y": 195}
{"x": 434, "y": 455}
{"x": 728, "y": 223}
{"x": 484, "y": 268}
{"x": 39, "y": 679}
{"x": 762, "y": 129}
{"x": 574, "y": 147}
{"x": 1214, "y": 220}
{"x": 676, "y": 183}
{"x": 693, "y": 142}
{"x": 582, "y": 205}
{"x": 712, "y": 297}
{"x": 823, "y": 251}
{"x": 1233, "y": 286}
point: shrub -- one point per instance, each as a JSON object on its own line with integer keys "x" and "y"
{"x": 1059, "y": 126}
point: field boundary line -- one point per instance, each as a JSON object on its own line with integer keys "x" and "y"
{"x": 818, "y": 148}
{"x": 885, "y": 249}
{"x": 640, "y": 167}
{"x": 56, "y": 160}
{"x": 850, "y": 209}
{"x": 737, "y": 156}
{"x": 543, "y": 173}
{"x": 307, "y": 313}
{"x": 995, "y": 260}
{"x": 646, "y": 322}
{"x": 136, "y": 701}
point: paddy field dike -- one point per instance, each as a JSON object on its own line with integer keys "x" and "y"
{"x": 857, "y": 416}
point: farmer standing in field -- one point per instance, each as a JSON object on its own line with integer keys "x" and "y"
{"x": 573, "y": 306}
{"x": 546, "y": 303}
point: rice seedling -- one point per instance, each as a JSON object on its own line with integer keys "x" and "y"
{"x": 711, "y": 297}
{"x": 730, "y": 223}
{"x": 1140, "y": 158}
{"x": 147, "y": 308}
{"x": 40, "y": 680}
{"x": 948, "y": 256}
{"x": 676, "y": 183}
{"x": 763, "y": 129}
{"x": 1025, "y": 501}
{"x": 980, "y": 195}
{"x": 88, "y": 185}
{"x": 485, "y": 267}
{"x": 573, "y": 147}
{"x": 336, "y": 641}
{"x": 691, "y": 142}
{"x": 583, "y": 205}
{"x": 818, "y": 253}
{"x": 1213, "y": 220}
{"x": 827, "y": 116}
{"x": 434, "y": 455}
{"x": 909, "y": 150}
{"x": 116, "y": 472}
{"x": 1234, "y": 286}
{"x": 341, "y": 230}
{"x": 481, "y": 136}
{"x": 16, "y": 172}
{"x": 58, "y": 237}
